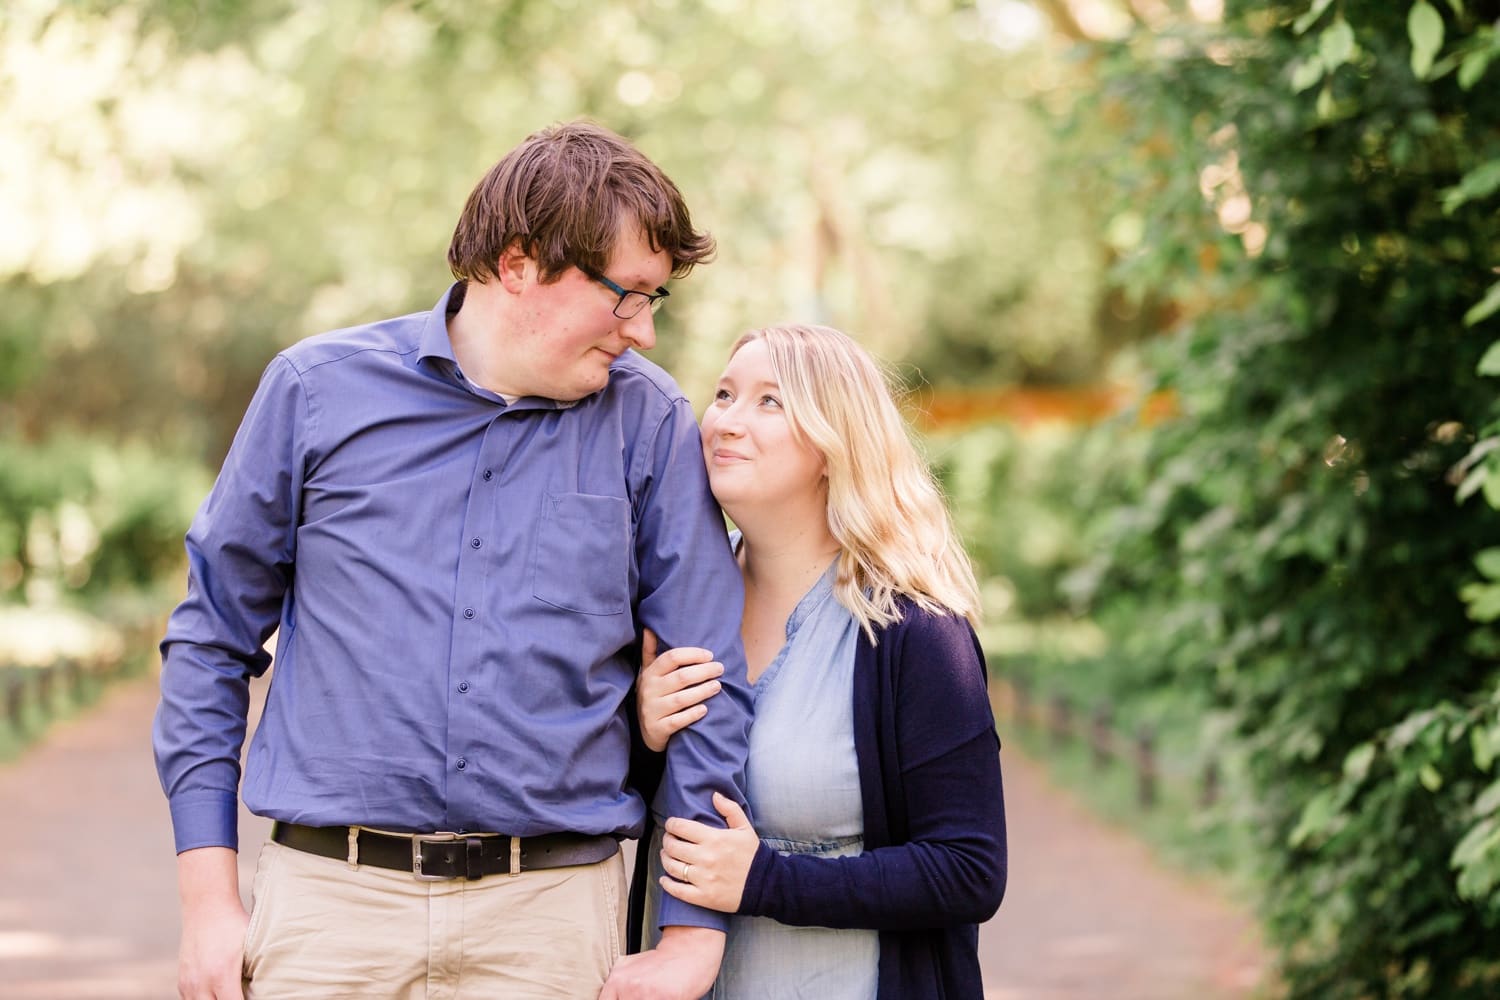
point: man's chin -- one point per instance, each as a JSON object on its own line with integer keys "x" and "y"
{"x": 586, "y": 386}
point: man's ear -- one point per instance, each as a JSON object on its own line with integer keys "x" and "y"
{"x": 515, "y": 267}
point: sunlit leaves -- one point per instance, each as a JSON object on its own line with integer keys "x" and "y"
{"x": 1357, "y": 763}
{"x": 1424, "y": 26}
{"x": 1481, "y": 182}
{"x": 1484, "y": 309}
{"x": 1307, "y": 73}
{"x": 1477, "y": 855}
{"x": 1336, "y": 45}
{"x": 1485, "y": 742}
{"x": 1483, "y": 597}
{"x": 1477, "y": 858}
{"x": 1318, "y": 818}
{"x": 1311, "y": 15}
{"x": 1484, "y": 50}
{"x": 307, "y": 162}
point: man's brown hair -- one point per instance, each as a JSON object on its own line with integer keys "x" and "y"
{"x": 562, "y": 193}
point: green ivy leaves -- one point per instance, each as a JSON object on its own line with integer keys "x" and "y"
{"x": 1424, "y": 26}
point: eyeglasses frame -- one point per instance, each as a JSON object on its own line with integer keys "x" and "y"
{"x": 653, "y": 301}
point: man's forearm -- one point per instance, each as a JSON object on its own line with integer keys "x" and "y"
{"x": 704, "y": 941}
{"x": 207, "y": 875}
{"x": 682, "y": 966}
{"x": 211, "y": 960}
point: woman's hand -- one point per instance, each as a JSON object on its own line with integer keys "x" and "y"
{"x": 672, "y": 688}
{"x": 707, "y": 866}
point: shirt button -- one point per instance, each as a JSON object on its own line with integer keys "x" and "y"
{"x": 474, "y": 543}
{"x": 468, "y": 612}
{"x": 463, "y": 687}
{"x": 462, "y": 763}
{"x": 488, "y": 475}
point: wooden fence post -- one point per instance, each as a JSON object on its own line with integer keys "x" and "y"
{"x": 1145, "y": 762}
{"x": 70, "y": 676}
{"x": 15, "y": 696}
{"x": 46, "y": 688}
{"x": 1210, "y": 791}
{"x": 1062, "y": 720}
{"x": 1099, "y": 736}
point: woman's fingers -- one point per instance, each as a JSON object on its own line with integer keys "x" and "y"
{"x": 697, "y": 672}
{"x": 687, "y": 697}
{"x": 693, "y": 664}
{"x": 659, "y": 730}
{"x": 734, "y": 816}
{"x": 687, "y": 892}
{"x": 669, "y": 688}
{"x": 679, "y": 830}
{"x": 670, "y": 698}
{"x": 675, "y": 865}
{"x": 677, "y": 860}
{"x": 710, "y": 872}
{"x": 678, "y": 721}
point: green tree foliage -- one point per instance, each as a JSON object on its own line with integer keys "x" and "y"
{"x": 239, "y": 176}
{"x": 84, "y": 518}
{"x": 1294, "y": 546}
{"x": 189, "y": 186}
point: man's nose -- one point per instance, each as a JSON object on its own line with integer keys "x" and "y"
{"x": 640, "y": 330}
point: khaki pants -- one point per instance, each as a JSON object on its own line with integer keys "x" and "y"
{"x": 320, "y": 929}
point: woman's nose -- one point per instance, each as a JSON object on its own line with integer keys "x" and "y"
{"x": 728, "y": 422}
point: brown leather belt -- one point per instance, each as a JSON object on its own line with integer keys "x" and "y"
{"x": 438, "y": 856}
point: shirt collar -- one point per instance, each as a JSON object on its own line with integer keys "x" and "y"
{"x": 434, "y": 342}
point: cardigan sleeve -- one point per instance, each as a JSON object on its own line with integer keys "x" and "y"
{"x": 950, "y": 869}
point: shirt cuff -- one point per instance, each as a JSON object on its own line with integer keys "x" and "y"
{"x": 205, "y": 818}
{"x": 675, "y": 913}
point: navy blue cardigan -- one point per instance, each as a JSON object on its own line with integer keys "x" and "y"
{"x": 934, "y": 860}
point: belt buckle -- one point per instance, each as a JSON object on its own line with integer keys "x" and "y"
{"x": 417, "y": 840}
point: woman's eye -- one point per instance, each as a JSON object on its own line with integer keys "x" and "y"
{"x": 721, "y": 395}
{"x": 770, "y": 401}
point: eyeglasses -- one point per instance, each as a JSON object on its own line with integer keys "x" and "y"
{"x": 631, "y": 303}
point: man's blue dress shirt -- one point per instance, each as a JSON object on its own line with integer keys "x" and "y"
{"x": 458, "y": 583}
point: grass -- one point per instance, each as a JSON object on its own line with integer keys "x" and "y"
{"x": 1214, "y": 840}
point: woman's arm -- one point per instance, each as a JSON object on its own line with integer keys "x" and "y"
{"x": 952, "y": 867}
{"x": 951, "y": 871}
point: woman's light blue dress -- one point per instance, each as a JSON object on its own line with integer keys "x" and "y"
{"x": 804, "y": 798}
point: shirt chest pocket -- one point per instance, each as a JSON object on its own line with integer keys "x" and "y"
{"x": 582, "y": 557}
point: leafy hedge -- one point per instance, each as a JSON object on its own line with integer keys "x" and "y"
{"x": 1314, "y": 187}
{"x": 83, "y": 518}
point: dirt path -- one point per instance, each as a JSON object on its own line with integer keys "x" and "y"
{"x": 88, "y": 905}
{"x": 88, "y": 891}
{"x": 1089, "y": 913}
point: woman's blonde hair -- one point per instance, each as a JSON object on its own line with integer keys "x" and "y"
{"x": 884, "y": 509}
